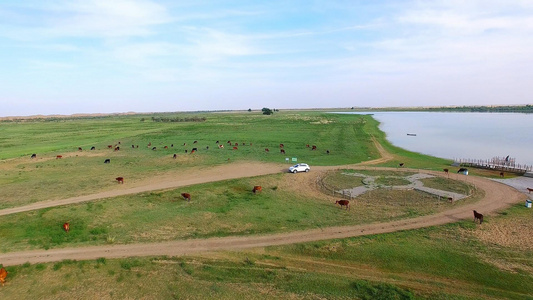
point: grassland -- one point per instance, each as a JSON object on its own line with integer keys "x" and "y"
{"x": 455, "y": 261}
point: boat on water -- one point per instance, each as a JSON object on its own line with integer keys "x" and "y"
{"x": 411, "y": 134}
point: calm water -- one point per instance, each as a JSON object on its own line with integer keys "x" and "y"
{"x": 461, "y": 135}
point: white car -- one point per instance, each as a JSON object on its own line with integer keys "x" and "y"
{"x": 299, "y": 168}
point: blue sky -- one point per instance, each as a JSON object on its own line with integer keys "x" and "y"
{"x": 101, "y": 56}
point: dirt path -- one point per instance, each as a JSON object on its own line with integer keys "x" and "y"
{"x": 497, "y": 197}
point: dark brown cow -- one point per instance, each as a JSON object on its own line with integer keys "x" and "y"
{"x": 257, "y": 188}
{"x": 109, "y": 146}
{"x": 195, "y": 149}
{"x": 327, "y": 151}
{"x": 59, "y": 156}
{"x": 313, "y": 148}
{"x": 478, "y": 217}
{"x": 192, "y": 151}
{"x": 166, "y": 147}
{"x": 195, "y": 142}
{"x": 501, "y": 174}
{"x": 220, "y": 146}
{"x": 120, "y": 180}
{"x": 236, "y": 144}
{"x": 66, "y": 227}
{"x": 343, "y": 203}
{"x": 34, "y": 155}
{"x": 281, "y": 145}
{"x": 307, "y": 146}
{"x": 229, "y": 142}
{"x": 282, "y": 151}
{"x": 150, "y": 144}
{"x": 186, "y": 196}
{"x": 529, "y": 190}
{"x": 175, "y": 155}
{"x": 79, "y": 149}
{"x": 107, "y": 161}
{"x": 117, "y": 148}
{"x": 401, "y": 164}
{"x": 266, "y": 150}
{"x": 3, "y": 275}
{"x": 446, "y": 171}
{"x": 132, "y": 146}
{"x": 235, "y": 148}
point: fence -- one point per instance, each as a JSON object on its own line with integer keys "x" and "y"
{"x": 496, "y": 163}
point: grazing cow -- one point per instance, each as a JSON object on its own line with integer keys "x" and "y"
{"x": 450, "y": 199}
{"x": 282, "y": 151}
{"x": 166, "y": 147}
{"x": 120, "y": 180}
{"x": 117, "y": 148}
{"x": 171, "y": 145}
{"x": 266, "y": 150}
{"x": 235, "y": 148}
{"x": 34, "y": 155}
{"x": 150, "y": 144}
{"x": 313, "y": 148}
{"x": 257, "y": 188}
{"x": 478, "y": 217}
{"x": 132, "y": 146}
{"x": 195, "y": 142}
{"x": 175, "y": 155}
{"x": 137, "y": 146}
{"x": 109, "y": 146}
{"x": 186, "y": 196}
{"x": 3, "y": 275}
{"x": 220, "y": 146}
{"x": 107, "y": 161}
{"x": 281, "y": 145}
{"x": 93, "y": 148}
{"x": 343, "y": 203}
{"x": 66, "y": 227}
{"x": 207, "y": 148}
{"x": 59, "y": 156}
{"x": 194, "y": 149}
{"x": 119, "y": 143}
{"x": 446, "y": 171}
{"x": 529, "y": 190}
{"x": 229, "y": 142}
{"x": 184, "y": 144}
{"x": 501, "y": 174}
{"x": 401, "y": 165}
{"x": 154, "y": 148}
{"x": 79, "y": 149}
{"x": 307, "y": 146}
{"x": 327, "y": 151}
{"x": 217, "y": 142}
{"x": 236, "y": 144}
{"x": 186, "y": 150}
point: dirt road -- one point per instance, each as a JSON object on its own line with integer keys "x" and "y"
{"x": 497, "y": 197}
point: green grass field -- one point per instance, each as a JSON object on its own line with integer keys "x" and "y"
{"x": 454, "y": 261}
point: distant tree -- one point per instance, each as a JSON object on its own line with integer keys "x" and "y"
{"x": 249, "y": 109}
{"x": 267, "y": 111}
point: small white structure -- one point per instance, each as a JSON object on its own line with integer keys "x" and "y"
{"x": 528, "y": 203}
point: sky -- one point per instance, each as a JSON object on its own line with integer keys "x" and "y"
{"x": 101, "y": 56}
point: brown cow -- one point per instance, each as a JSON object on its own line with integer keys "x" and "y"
{"x": 109, "y": 146}
{"x": 401, "y": 164}
{"x": 166, "y": 147}
{"x": 149, "y": 144}
{"x": 195, "y": 142}
{"x": 79, "y": 148}
{"x": 478, "y": 216}
{"x": 34, "y": 155}
{"x": 343, "y": 203}
{"x": 220, "y": 146}
{"x": 313, "y": 148}
{"x": 257, "y": 188}
{"x": 117, "y": 148}
{"x": 3, "y": 275}
{"x": 120, "y": 180}
{"x": 281, "y": 145}
{"x": 192, "y": 151}
{"x": 501, "y": 174}
{"x": 282, "y": 151}
{"x": 307, "y": 146}
{"x": 235, "y": 148}
{"x": 59, "y": 156}
{"x": 132, "y": 146}
{"x": 266, "y": 150}
{"x": 175, "y": 155}
{"x": 186, "y": 196}
{"x": 236, "y": 144}
{"x": 529, "y": 190}
{"x": 446, "y": 171}
{"x": 66, "y": 226}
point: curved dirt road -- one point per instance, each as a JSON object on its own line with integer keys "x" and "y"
{"x": 497, "y": 197}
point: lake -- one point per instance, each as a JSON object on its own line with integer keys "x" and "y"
{"x": 461, "y": 135}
